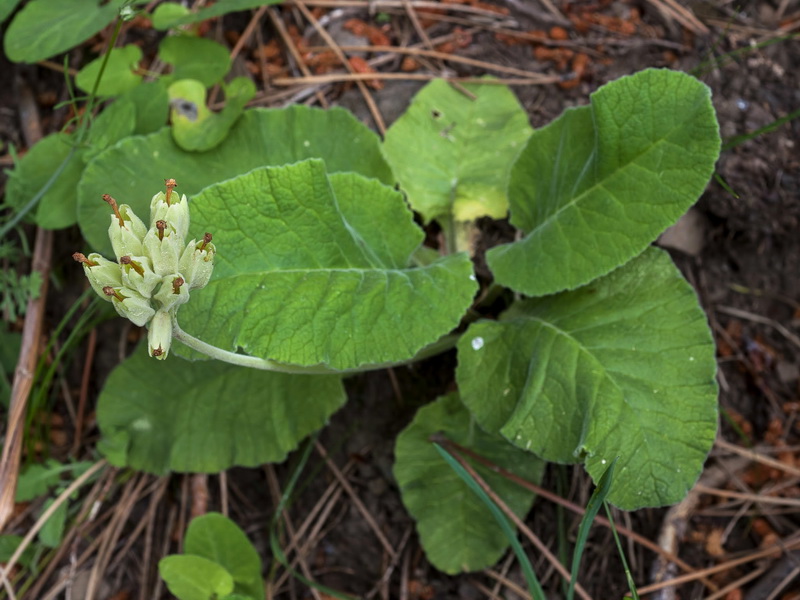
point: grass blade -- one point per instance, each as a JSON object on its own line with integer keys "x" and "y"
{"x": 628, "y": 576}
{"x": 592, "y": 508}
{"x": 510, "y": 533}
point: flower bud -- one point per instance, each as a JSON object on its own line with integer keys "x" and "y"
{"x": 138, "y": 274}
{"x": 175, "y": 213}
{"x": 130, "y": 304}
{"x": 126, "y": 232}
{"x": 164, "y": 246}
{"x": 100, "y": 272}
{"x": 159, "y": 336}
{"x": 197, "y": 262}
{"x": 173, "y": 292}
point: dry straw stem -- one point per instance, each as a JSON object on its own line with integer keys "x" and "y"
{"x": 362, "y": 87}
{"x": 31, "y": 332}
{"x": 237, "y": 48}
{"x": 342, "y": 77}
{"x": 314, "y": 521}
{"x": 23, "y": 378}
{"x": 791, "y": 543}
{"x": 504, "y": 581}
{"x": 743, "y": 314}
{"x": 300, "y": 557}
{"x": 758, "y": 457}
{"x": 454, "y": 58}
{"x": 380, "y": 5}
{"x": 111, "y": 534}
{"x": 62, "y": 497}
{"x": 356, "y": 501}
{"x": 674, "y": 10}
{"x": 292, "y": 47}
{"x": 82, "y": 527}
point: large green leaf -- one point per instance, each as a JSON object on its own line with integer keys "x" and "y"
{"x": 120, "y": 75}
{"x": 261, "y": 137}
{"x": 44, "y": 28}
{"x": 172, "y": 14}
{"x": 195, "y": 58}
{"x": 595, "y": 187}
{"x": 57, "y": 208}
{"x": 117, "y": 121}
{"x": 452, "y": 154}
{"x": 455, "y": 527}
{"x": 312, "y": 271}
{"x": 194, "y": 577}
{"x": 206, "y": 417}
{"x": 217, "y": 538}
{"x": 623, "y": 367}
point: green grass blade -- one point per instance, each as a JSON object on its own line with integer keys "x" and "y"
{"x": 628, "y": 576}
{"x": 530, "y": 577}
{"x": 769, "y": 127}
{"x": 595, "y": 503}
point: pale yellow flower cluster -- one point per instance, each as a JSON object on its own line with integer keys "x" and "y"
{"x": 154, "y": 269}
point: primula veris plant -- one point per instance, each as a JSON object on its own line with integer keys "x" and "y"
{"x": 155, "y": 269}
{"x": 601, "y": 352}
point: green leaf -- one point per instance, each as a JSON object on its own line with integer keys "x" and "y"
{"x": 57, "y": 208}
{"x": 168, "y": 12}
{"x": 195, "y": 58}
{"x": 219, "y": 539}
{"x": 171, "y": 14}
{"x": 117, "y": 121}
{"x": 194, "y": 577}
{"x": 279, "y": 293}
{"x": 119, "y": 75}
{"x": 37, "y": 479}
{"x": 52, "y": 531}
{"x": 623, "y": 367}
{"x": 9, "y": 545}
{"x": 152, "y": 106}
{"x": 10, "y": 343}
{"x": 205, "y": 417}
{"x": 44, "y": 28}
{"x": 6, "y": 8}
{"x": 595, "y": 187}
{"x": 462, "y": 150}
{"x": 261, "y": 137}
{"x": 502, "y": 520}
{"x": 194, "y": 127}
{"x": 455, "y": 527}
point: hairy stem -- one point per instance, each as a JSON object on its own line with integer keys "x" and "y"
{"x": 244, "y": 360}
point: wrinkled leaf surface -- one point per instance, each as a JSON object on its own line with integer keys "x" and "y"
{"x": 455, "y": 527}
{"x": 596, "y": 186}
{"x": 623, "y": 367}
